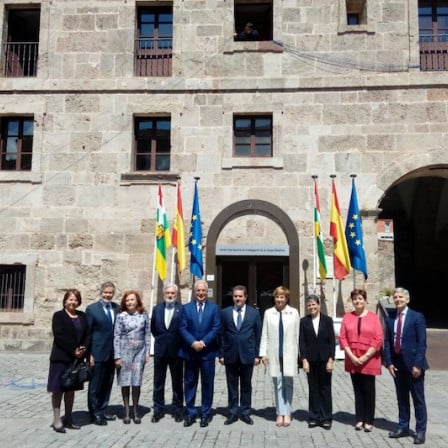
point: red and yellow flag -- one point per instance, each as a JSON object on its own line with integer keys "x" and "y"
{"x": 178, "y": 234}
{"x": 341, "y": 257}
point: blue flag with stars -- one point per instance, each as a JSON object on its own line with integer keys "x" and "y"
{"x": 195, "y": 238}
{"x": 353, "y": 234}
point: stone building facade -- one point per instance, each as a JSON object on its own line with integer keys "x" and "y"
{"x": 340, "y": 85}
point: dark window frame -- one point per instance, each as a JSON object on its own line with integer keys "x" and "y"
{"x": 12, "y": 287}
{"x": 256, "y": 137}
{"x": 14, "y": 134}
{"x": 259, "y": 12}
{"x": 436, "y": 10}
{"x": 149, "y": 153}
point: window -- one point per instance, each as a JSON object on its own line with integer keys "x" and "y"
{"x": 433, "y": 34}
{"x": 152, "y": 144}
{"x": 252, "y": 136}
{"x": 12, "y": 287}
{"x": 154, "y": 43}
{"x": 16, "y": 143}
{"x": 356, "y": 12}
{"x": 259, "y": 14}
{"x": 20, "y": 51}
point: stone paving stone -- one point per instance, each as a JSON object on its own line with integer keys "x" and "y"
{"x": 25, "y": 415}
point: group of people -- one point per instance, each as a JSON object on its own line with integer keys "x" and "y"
{"x": 188, "y": 339}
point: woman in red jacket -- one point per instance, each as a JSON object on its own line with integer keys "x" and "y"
{"x": 361, "y": 337}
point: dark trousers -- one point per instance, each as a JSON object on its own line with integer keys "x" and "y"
{"x": 239, "y": 388}
{"x": 100, "y": 387}
{"x": 406, "y": 385}
{"x": 364, "y": 388}
{"x": 319, "y": 394}
{"x": 191, "y": 377}
{"x": 161, "y": 365}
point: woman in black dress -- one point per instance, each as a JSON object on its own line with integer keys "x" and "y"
{"x": 71, "y": 341}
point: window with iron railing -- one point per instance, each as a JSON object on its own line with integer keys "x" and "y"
{"x": 21, "y": 48}
{"x": 433, "y": 34}
{"x": 154, "y": 42}
{"x": 152, "y": 143}
{"x": 12, "y": 287}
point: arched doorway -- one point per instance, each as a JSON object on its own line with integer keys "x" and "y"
{"x": 288, "y": 264}
{"x": 418, "y": 206}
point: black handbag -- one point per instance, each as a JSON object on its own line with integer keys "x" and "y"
{"x": 77, "y": 374}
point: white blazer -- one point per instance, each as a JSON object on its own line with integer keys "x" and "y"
{"x": 269, "y": 340}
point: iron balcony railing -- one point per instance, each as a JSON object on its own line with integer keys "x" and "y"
{"x": 433, "y": 52}
{"x": 153, "y": 56}
{"x": 20, "y": 59}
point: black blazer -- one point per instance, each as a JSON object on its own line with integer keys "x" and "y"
{"x": 317, "y": 348}
{"x": 244, "y": 345}
{"x": 65, "y": 341}
{"x": 166, "y": 340}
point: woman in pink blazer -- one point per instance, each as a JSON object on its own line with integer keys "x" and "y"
{"x": 361, "y": 337}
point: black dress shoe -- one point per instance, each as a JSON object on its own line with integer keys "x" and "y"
{"x": 231, "y": 419}
{"x": 312, "y": 424}
{"x": 99, "y": 420}
{"x": 68, "y": 423}
{"x": 246, "y": 419}
{"x": 399, "y": 433}
{"x": 60, "y": 429}
{"x": 156, "y": 418}
{"x": 419, "y": 438}
{"x": 204, "y": 422}
{"x": 326, "y": 425}
{"x": 178, "y": 418}
{"x": 189, "y": 421}
{"x": 109, "y": 417}
{"x": 137, "y": 420}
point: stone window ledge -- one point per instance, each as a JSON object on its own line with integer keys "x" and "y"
{"x": 353, "y": 29}
{"x": 17, "y": 318}
{"x": 262, "y": 46}
{"x": 252, "y": 162}
{"x": 20, "y": 176}
{"x": 144, "y": 177}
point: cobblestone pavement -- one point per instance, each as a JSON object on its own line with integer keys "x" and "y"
{"x": 25, "y": 415}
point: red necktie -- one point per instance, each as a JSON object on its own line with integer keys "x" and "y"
{"x": 397, "y": 346}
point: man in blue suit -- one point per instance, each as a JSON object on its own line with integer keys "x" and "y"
{"x": 101, "y": 318}
{"x": 199, "y": 328}
{"x": 404, "y": 352}
{"x": 165, "y": 329}
{"x": 239, "y": 350}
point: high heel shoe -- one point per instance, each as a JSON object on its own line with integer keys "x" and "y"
{"x": 68, "y": 423}
{"x": 60, "y": 429}
{"x": 126, "y": 420}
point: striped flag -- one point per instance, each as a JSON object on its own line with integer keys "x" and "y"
{"x": 163, "y": 239}
{"x": 318, "y": 235}
{"x": 353, "y": 233}
{"x": 178, "y": 234}
{"x": 195, "y": 238}
{"x": 341, "y": 257}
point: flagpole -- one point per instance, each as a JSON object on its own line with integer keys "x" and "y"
{"x": 315, "y": 266}
{"x": 333, "y": 176}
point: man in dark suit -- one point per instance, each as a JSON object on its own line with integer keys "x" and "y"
{"x": 317, "y": 351}
{"x": 199, "y": 328}
{"x": 239, "y": 350}
{"x": 101, "y": 318}
{"x": 405, "y": 356}
{"x": 165, "y": 329}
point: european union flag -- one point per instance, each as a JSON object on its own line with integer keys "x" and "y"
{"x": 195, "y": 238}
{"x": 353, "y": 234}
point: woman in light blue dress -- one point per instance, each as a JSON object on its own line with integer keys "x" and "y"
{"x": 131, "y": 349}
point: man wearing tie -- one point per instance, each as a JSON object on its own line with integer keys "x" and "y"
{"x": 405, "y": 356}
{"x": 165, "y": 329}
{"x": 101, "y": 318}
{"x": 199, "y": 328}
{"x": 239, "y": 349}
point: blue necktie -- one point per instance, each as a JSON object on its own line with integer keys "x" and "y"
{"x": 200, "y": 312}
{"x": 239, "y": 319}
{"x": 109, "y": 313}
